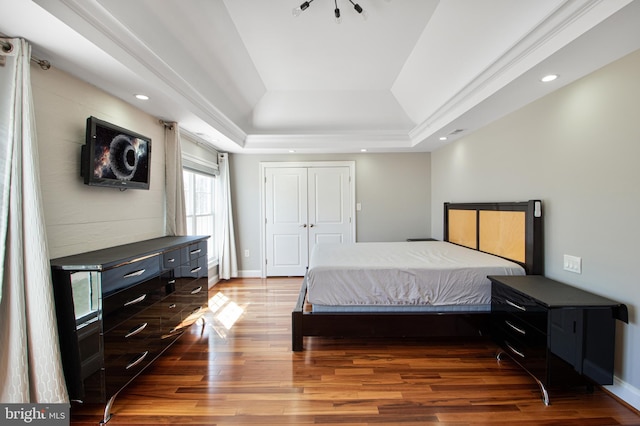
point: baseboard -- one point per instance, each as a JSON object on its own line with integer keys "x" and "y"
{"x": 249, "y": 274}
{"x": 627, "y": 393}
{"x": 213, "y": 280}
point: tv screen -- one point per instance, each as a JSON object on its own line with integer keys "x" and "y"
{"x": 115, "y": 157}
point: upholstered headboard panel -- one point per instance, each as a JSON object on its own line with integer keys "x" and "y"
{"x": 509, "y": 230}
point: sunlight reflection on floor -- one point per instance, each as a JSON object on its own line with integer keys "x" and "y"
{"x": 225, "y": 312}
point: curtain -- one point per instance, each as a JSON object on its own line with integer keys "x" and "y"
{"x": 29, "y": 354}
{"x": 225, "y": 237}
{"x": 176, "y": 220}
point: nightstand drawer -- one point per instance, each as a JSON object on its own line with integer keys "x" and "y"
{"x": 511, "y": 328}
{"x": 507, "y": 301}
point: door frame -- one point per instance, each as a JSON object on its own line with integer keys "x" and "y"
{"x": 264, "y": 165}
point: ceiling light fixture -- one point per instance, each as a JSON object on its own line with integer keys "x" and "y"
{"x": 548, "y": 78}
{"x": 142, "y": 97}
{"x": 336, "y": 12}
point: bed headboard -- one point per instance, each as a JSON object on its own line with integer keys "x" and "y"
{"x": 509, "y": 230}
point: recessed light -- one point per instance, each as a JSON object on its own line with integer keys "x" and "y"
{"x": 142, "y": 97}
{"x": 443, "y": 138}
{"x": 548, "y": 78}
{"x": 292, "y": 151}
{"x": 363, "y": 150}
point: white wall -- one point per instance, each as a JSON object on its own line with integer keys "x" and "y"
{"x": 79, "y": 218}
{"x": 577, "y": 150}
{"x": 393, "y": 189}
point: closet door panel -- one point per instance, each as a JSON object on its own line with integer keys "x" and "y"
{"x": 286, "y": 221}
{"x": 329, "y": 206}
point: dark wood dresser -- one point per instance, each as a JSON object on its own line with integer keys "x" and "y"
{"x": 559, "y": 334}
{"x": 119, "y": 308}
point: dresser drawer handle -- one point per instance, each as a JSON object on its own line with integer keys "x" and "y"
{"x": 196, "y": 310}
{"x": 135, "y": 273}
{"x": 515, "y": 305}
{"x": 515, "y": 351}
{"x": 137, "y": 361}
{"x": 516, "y": 328}
{"x": 195, "y": 251}
{"x": 136, "y": 330}
{"x": 136, "y": 300}
{"x": 171, "y": 260}
{"x": 194, "y": 270}
{"x": 172, "y": 282}
{"x": 196, "y": 290}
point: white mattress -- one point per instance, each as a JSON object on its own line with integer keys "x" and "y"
{"x": 431, "y": 273}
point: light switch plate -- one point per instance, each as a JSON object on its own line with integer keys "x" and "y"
{"x": 572, "y": 264}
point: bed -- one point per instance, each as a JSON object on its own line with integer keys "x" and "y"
{"x": 420, "y": 288}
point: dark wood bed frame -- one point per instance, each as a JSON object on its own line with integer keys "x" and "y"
{"x": 398, "y": 324}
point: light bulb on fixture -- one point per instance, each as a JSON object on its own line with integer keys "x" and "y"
{"x": 298, "y": 10}
{"x": 360, "y": 10}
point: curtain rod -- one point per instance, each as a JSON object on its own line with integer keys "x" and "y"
{"x": 8, "y": 47}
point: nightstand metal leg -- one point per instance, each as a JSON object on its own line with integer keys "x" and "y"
{"x": 545, "y": 395}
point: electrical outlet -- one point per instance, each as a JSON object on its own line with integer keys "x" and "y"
{"x": 572, "y": 264}
{"x": 246, "y": 253}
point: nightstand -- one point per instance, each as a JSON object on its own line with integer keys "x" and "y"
{"x": 559, "y": 334}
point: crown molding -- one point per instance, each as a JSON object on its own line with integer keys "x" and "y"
{"x": 337, "y": 143}
{"x": 566, "y": 23}
{"x": 103, "y": 29}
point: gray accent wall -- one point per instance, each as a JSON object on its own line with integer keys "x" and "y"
{"x": 577, "y": 150}
{"x": 393, "y": 190}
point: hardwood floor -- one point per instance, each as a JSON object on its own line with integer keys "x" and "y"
{"x": 238, "y": 369}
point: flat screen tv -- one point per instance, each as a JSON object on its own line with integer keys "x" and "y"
{"x": 115, "y": 157}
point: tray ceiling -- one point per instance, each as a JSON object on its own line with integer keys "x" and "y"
{"x": 248, "y": 76}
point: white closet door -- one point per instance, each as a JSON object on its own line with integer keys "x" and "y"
{"x": 329, "y": 205}
{"x": 286, "y": 221}
{"x": 305, "y": 206}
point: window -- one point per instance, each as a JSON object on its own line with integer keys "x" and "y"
{"x": 199, "y": 195}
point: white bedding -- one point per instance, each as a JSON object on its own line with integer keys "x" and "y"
{"x": 403, "y": 273}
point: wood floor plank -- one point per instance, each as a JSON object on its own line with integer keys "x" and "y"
{"x": 238, "y": 369}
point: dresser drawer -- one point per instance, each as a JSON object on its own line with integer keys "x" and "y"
{"x": 194, "y": 251}
{"x": 170, "y": 314}
{"x": 129, "y": 274}
{"x": 171, "y": 259}
{"x": 136, "y": 329}
{"x": 197, "y": 268}
{"x": 120, "y": 368}
{"x": 124, "y": 304}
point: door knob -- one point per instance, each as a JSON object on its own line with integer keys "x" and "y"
{"x": 311, "y": 225}
{"x": 303, "y": 225}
